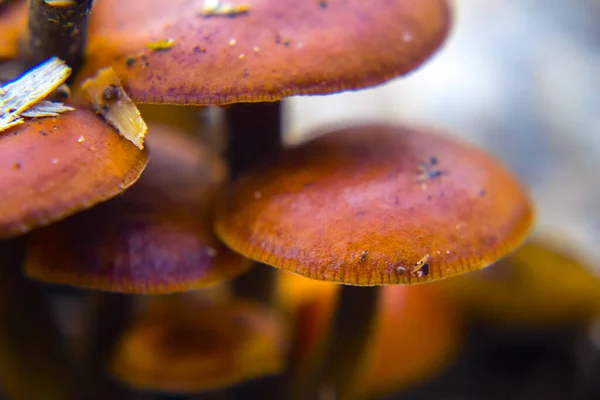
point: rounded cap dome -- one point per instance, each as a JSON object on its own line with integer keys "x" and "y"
{"x": 51, "y": 168}
{"x": 169, "y": 52}
{"x": 377, "y": 205}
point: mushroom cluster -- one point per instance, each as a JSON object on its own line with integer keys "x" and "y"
{"x": 100, "y": 201}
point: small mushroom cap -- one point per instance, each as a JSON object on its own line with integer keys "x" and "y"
{"x": 13, "y": 22}
{"x": 541, "y": 284}
{"x": 376, "y": 205}
{"x": 180, "y": 345}
{"x": 416, "y": 331}
{"x": 168, "y": 52}
{"x": 156, "y": 238}
{"x": 51, "y": 168}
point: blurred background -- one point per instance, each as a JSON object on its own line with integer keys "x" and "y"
{"x": 518, "y": 77}
{"x": 522, "y": 79}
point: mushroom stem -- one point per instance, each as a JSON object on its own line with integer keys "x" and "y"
{"x": 58, "y": 28}
{"x": 344, "y": 349}
{"x": 348, "y": 340}
{"x": 30, "y": 350}
{"x": 254, "y": 133}
{"x": 111, "y": 313}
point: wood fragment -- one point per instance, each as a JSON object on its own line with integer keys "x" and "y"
{"x": 24, "y": 96}
{"x": 46, "y": 109}
{"x": 109, "y": 99}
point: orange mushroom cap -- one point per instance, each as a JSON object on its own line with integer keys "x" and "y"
{"x": 416, "y": 330}
{"x": 540, "y": 284}
{"x": 51, "y": 168}
{"x": 181, "y": 345}
{"x": 13, "y": 21}
{"x": 168, "y": 52}
{"x": 376, "y": 205}
{"x": 156, "y": 238}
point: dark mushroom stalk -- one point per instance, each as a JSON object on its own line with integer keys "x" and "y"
{"x": 58, "y": 28}
{"x": 30, "y": 349}
{"x": 254, "y": 133}
{"x": 355, "y": 312}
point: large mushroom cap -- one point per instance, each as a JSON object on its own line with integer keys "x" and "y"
{"x": 376, "y": 205}
{"x": 156, "y": 238}
{"x": 53, "y": 167}
{"x": 181, "y": 345}
{"x": 168, "y": 52}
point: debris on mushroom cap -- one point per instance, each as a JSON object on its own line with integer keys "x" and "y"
{"x": 417, "y": 329}
{"x": 217, "y": 7}
{"x": 60, "y": 3}
{"x": 24, "y": 97}
{"x": 540, "y": 284}
{"x": 180, "y": 345}
{"x": 155, "y": 238}
{"x": 161, "y": 44}
{"x": 109, "y": 99}
{"x": 47, "y": 173}
{"x": 351, "y": 207}
{"x": 304, "y": 48}
{"x": 46, "y": 109}
{"x": 13, "y": 22}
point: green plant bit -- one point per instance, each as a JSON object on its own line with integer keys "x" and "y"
{"x": 216, "y": 7}
{"x": 60, "y": 3}
{"x": 161, "y": 45}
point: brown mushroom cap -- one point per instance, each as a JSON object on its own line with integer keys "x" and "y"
{"x": 275, "y": 49}
{"x": 13, "y": 21}
{"x": 540, "y": 284}
{"x": 156, "y": 238}
{"x": 53, "y": 167}
{"x": 180, "y": 345}
{"x": 376, "y": 205}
